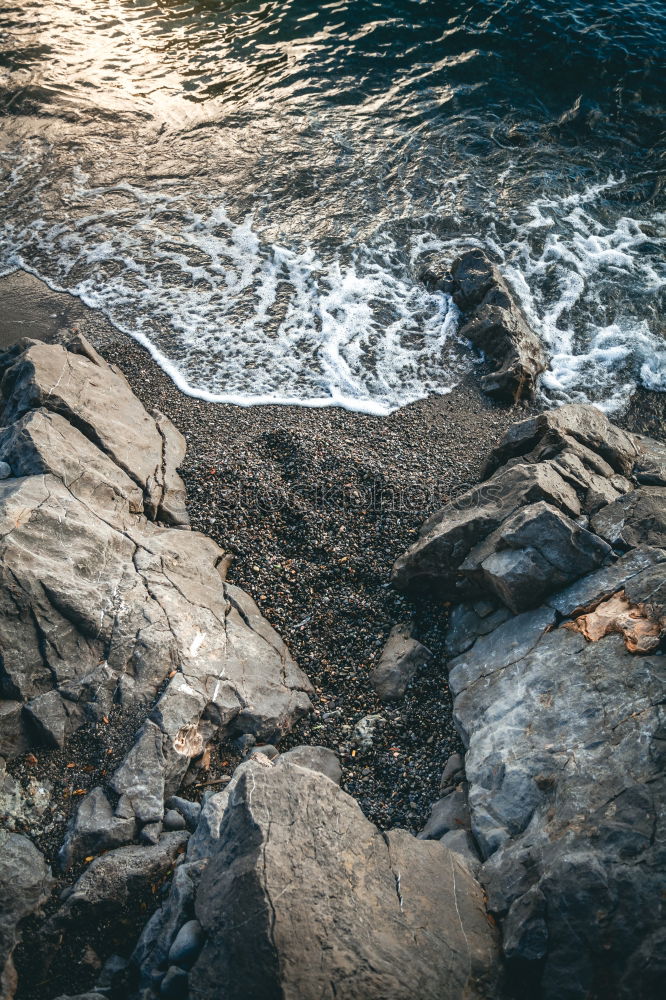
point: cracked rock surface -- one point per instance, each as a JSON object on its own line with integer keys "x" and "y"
{"x": 299, "y": 896}
{"x": 558, "y": 681}
{"x": 494, "y": 322}
{"x": 99, "y": 603}
{"x": 104, "y": 603}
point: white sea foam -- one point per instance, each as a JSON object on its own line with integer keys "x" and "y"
{"x": 232, "y": 317}
{"x": 586, "y": 284}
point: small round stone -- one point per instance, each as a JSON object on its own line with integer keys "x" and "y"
{"x": 173, "y": 820}
{"x": 5, "y": 470}
{"x": 187, "y": 945}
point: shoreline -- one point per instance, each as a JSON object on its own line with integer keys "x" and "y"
{"x": 316, "y": 504}
{"x": 312, "y": 507}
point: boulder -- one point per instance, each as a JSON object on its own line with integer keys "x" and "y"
{"x": 565, "y": 787}
{"x": 99, "y": 604}
{"x": 302, "y": 896}
{"x": 453, "y": 772}
{"x": 558, "y": 705}
{"x": 114, "y": 880}
{"x": 151, "y": 955}
{"x": 97, "y": 400}
{"x": 650, "y": 465}
{"x": 446, "y": 538}
{"x": 42, "y": 442}
{"x": 158, "y": 606}
{"x": 496, "y": 325}
{"x": 25, "y": 885}
{"x": 190, "y": 811}
{"x": 96, "y": 827}
{"x": 401, "y": 658}
{"x": 534, "y": 552}
{"x": 448, "y": 814}
{"x": 468, "y": 621}
{"x": 545, "y": 435}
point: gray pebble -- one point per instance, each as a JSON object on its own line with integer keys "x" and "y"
{"x": 187, "y": 945}
{"x": 5, "y": 470}
{"x": 174, "y": 984}
{"x": 173, "y": 820}
{"x": 190, "y": 810}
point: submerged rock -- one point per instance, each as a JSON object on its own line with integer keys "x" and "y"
{"x": 496, "y": 325}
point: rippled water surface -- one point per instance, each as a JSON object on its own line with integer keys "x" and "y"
{"x": 252, "y": 189}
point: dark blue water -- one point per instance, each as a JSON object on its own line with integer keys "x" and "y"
{"x": 252, "y": 189}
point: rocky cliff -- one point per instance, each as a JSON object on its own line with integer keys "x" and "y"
{"x": 556, "y": 565}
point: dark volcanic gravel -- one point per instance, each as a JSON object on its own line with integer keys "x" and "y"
{"x": 315, "y": 506}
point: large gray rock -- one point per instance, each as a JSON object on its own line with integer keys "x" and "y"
{"x": 43, "y": 442}
{"x": 95, "y": 827}
{"x": 97, "y": 400}
{"x": 447, "y": 537}
{"x": 572, "y": 460}
{"x": 25, "y": 885}
{"x": 546, "y": 435}
{"x": 303, "y": 897}
{"x": 559, "y": 708}
{"x": 113, "y": 880}
{"x": 315, "y": 758}
{"x": 534, "y": 552}
{"x": 99, "y": 604}
{"x": 151, "y": 954}
{"x": 650, "y": 465}
{"x": 401, "y": 658}
{"x": 112, "y": 606}
{"x": 448, "y": 814}
{"x": 566, "y": 792}
{"x": 105, "y": 898}
{"x": 497, "y": 326}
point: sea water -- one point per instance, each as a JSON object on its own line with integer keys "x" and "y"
{"x": 252, "y": 190}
